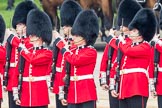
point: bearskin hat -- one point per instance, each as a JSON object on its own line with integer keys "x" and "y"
{"x": 2, "y": 29}
{"x": 145, "y": 22}
{"x": 39, "y": 24}
{"x": 127, "y": 10}
{"x": 86, "y": 25}
{"x": 21, "y": 12}
{"x": 68, "y": 12}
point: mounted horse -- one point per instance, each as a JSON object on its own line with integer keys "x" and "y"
{"x": 105, "y": 9}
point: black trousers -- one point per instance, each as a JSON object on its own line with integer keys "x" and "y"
{"x": 114, "y": 102}
{"x": 12, "y": 103}
{"x": 159, "y": 101}
{"x": 36, "y": 107}
{"x": 58, "y": 103}
{"x": 89, "y": 104}
{"x": 133, "y": 102}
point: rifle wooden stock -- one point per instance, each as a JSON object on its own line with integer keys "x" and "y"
{"x": 68, "y": 68}
{"x": 55, "y": 55}
{"x": 67, "y": 79}
{"x": 156, "y": 62}
{"x": 119, "y": 57}
{"x": 110, "y": 53}
{"x": 117, "y": 79}
{"x": 21, "y": 70}
{"x": 7, "y": 65}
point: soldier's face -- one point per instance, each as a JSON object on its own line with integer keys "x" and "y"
{"x": 67, "y": 30}
{"x": 78, "y": 40}
{"x": 134, "y": 35}
{"x": 33, "y": 38}
{"x": 20, "y": 29}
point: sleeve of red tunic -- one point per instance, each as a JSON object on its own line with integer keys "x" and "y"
{"x": 49, "y": 68}
{"x": 159, "y": 48}
{"x": 15, "y": 78}
{"x": 113, "y": 70}
{"x": 38, "y": 58}
{"x": 2, "y": 59}
{"x": 142, "y": 50}
{"x": 151, "y": 65}
{"x": 112, "y": 42}
{"x": 3, "y": 54}
{"x": 27, "y": 43}
{"x": 13, "y": 40}
{"x": 85, "y": 57}
{"x": 61, "y": 83}
{"x": 104, "y": 60}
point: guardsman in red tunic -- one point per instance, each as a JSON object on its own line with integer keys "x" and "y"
{"x": 109, "y": 58}
{"x": 3, "y": 53}
{"x": 82, "y": 90}
{"x": 68, "y": 12}
{"x": 158, "y": 84}
{"x": 38, "y": 61}
{"x": 136, "y": 69}
{"x": 19, "y": 24}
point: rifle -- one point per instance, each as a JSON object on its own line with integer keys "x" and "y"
{"x": 68, "y": 68}
{"x": 156, "y": 62}
{"x": 55, "y": 55}
{"x": 8, "y": 57}
{"x": 21, "y": 69}
{"x": 67, "y": 78}
{"x": 110, "y": 54}
{"x": 157, "y": 8}
{"x": 119, "y": 56}
{"x": 7, "y": 65}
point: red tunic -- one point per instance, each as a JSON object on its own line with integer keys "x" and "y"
{"x": 159, "y": 80}
{"x": 83, "y": 61}
{"x": 2, "y": 64}
{"x": 104, "y": 61}
{"x": 13, "y": 70}
{"x": 135, "y": 69}
{"x": 59, "y": 71}
{"x": 37, "y": 65}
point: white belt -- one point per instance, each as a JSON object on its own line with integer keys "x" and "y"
{"x": 33, "y": 79}
{"x": 160, "y": 69}
{"x": 82, "y": 77}
{"x": 58, "y": 69}
{"x": 13, "y": 64}
{"x": 133, "y": 70}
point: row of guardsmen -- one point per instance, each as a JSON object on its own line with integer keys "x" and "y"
{"x": 127, "y": 66}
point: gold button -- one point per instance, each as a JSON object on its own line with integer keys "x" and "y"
{"x": 31, "y": 78}
{"x": 75, "y": 78}
{"x": 122, "y": 72}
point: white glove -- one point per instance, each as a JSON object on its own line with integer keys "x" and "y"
{"x": 15, "y": 93}
{"x": 61, "y": 92}
{"x": 121, "y": 39}
{"x": 151, "y": 85}
{"x": 155, "y": 38}
{"x": 103, "y": 78}
{"x": 112, "y": 84}
{"x": 48, "y": 81}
